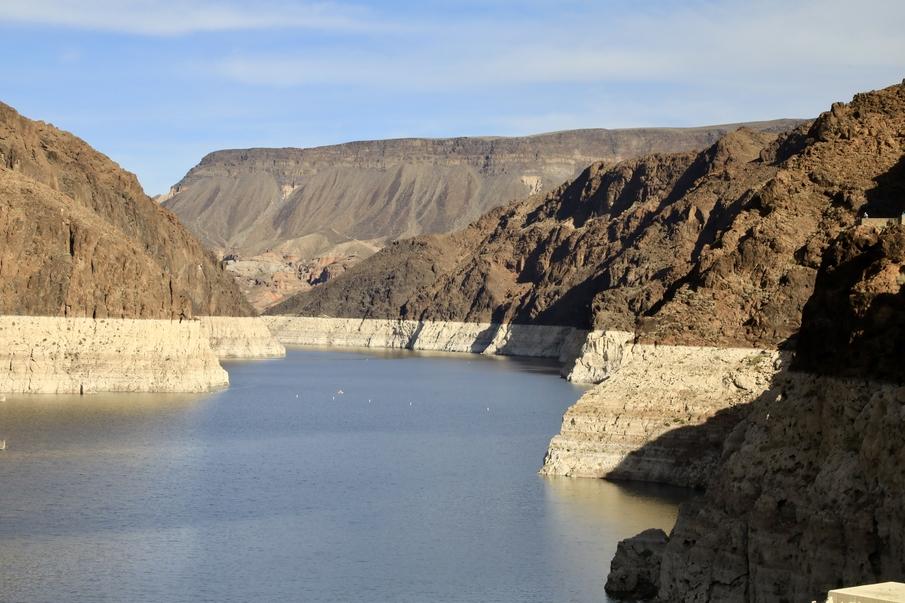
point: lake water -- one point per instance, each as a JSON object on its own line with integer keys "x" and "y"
{"x": 417, "y": 483}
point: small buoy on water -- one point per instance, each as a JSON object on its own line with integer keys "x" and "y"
{"x": 340, "y": 392}
{"x": 2, "y": 444}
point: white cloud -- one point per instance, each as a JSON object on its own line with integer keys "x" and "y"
{"x": 733, "y": 43}
{"x": 179, "y": 17}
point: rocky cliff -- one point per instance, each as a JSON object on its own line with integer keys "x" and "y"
{"x": 716, "y": 248}
{"x": 83, "y": 253}
{"x": 55, "y": 355}
{"x": 604, "y": 251}
{"x": 752, "y": 244}
{"x": 78, "y": 237}
{"x": 807, "y": 494}
{"x": 336, "y": 205}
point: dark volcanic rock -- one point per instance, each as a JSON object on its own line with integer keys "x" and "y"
{"x": 78, "y": 237}
{"x": 809, "y": 494}
{"x": 601, "y": 250}
{"x": 854, "y": 324}
{"x": 714, "y": 248}
{"x": 635, "y": 570}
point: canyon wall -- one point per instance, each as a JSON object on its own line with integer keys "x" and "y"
{"x": 241, "y": 337}
{"x": 538, "y": 341}
{"x": 661, "y": 414}
{"x": 808, "y": 492}
{"x": 308, "y": 200}
{"x": 78, "y": 237}
{"x": 46, "y": 355}
{"x": 287, "y": 220}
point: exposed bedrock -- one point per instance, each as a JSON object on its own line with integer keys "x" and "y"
{"x": 808, "y": 497}
{"x": 539, "y": 341}
{"x": 635, "y": 570}
{"x": 662, "y": 416}
{"x": 241, "y": 337}
{"x": 40, "y": 354}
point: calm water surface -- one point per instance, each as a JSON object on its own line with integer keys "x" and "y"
{"x": 417, "y": 483}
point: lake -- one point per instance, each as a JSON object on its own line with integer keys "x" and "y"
{"x": 324, "y": 476}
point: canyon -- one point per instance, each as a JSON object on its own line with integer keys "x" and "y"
{"x": 744, "y": 329}
{"x": 740, "y": 326}
{"x": 289, "y": 219}
{"x": 100, "y": 287}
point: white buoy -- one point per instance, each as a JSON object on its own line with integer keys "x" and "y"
{"x": 340, "y": 392}
{"x": 2, "y": 444}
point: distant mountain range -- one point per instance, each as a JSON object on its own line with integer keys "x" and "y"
{"x": 344, "y": 202}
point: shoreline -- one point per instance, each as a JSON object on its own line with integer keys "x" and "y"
{"x": 67, "y": 355}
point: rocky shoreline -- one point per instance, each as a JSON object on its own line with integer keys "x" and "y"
{"x": 661, "y": 414}
{"x": 51, "y": 354}
{"x": 534, "y": 341}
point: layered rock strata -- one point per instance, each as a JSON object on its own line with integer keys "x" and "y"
{"x": 807, "y": 497}
{"x": 309, "y": 201}
{"x": 661, "y": 415}
{"x": 241, "y": 337}
{"x": 562, "y": 343}
{"x": 48, "y": 355}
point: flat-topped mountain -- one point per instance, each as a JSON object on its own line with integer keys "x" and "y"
{"x": 719, "y": 247}
{"x": 286, "y": 214}
{"x": 78, "y": 237}
{"x": 251, "y": 200}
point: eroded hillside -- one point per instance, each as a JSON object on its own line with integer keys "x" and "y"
{"x": 78, "y": 237}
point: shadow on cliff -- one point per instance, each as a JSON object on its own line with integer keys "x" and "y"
{"x": 532, "y": 340}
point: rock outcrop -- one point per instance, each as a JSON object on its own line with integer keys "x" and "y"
{"x": 661, "y": 414}
{"x": 337, "y": 205}
{"x": 635, "y": 571}
{"x": 84, "y": 253}
{"x": 56, "y": 355}
{"x": 538, "y": 341}
{"x": 808, "y": 493}
{"x": 78, "y": 237}
{"x": 808, "y": 497}
{"x": 241, "y": 337}
{"x": 605, "y": 251}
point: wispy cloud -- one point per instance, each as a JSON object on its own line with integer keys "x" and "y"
{"x": 732, "y": 42}
{"x": 179, "y": 17}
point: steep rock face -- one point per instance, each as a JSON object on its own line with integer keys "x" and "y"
{"x": 808, "y": 494}
{"x": 808, "y": 497}
{"x": 241, "y": 337}
{"x": 600, "y": 250}
{"x": 854, "y": 324}
{"x": 477, "y": 338}
{"x": 308, "y": 200}
{"x": 78, "y": 237}
{"x": 715, "y": 248}
{"x": 752, "y": 282}
{"x": 661, "y": 415}
{"x": 635, "y": 571}
{"x": 56, "y": 355}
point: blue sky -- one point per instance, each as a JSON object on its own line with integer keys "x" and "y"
{"x": 157, "y": 84}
